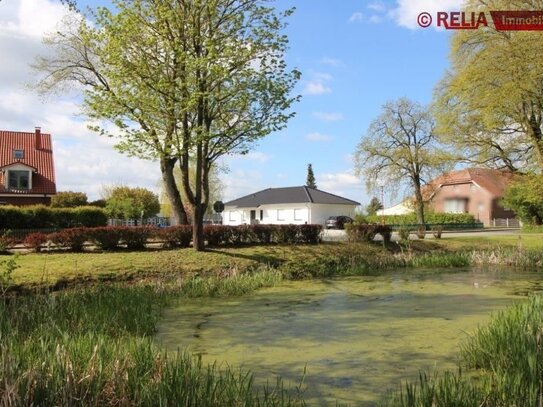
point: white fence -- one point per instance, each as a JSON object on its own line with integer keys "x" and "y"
{"x": 154, "y": 221}
{"x": 506, "y": 223}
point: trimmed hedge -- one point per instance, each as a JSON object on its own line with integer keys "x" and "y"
{"x": 217, "y": 235}
{"x": 135, "y": 238}
{"x": 71, "y": 239}
{"x": 175, "y": 236}
{"x": 44, "y": 217}
{"x": 429, "y": 218}
{"x": 367, "y": 232}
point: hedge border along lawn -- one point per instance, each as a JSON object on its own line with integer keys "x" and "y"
{"x": 44, "y": 217}
{"x": 429, "y": 218}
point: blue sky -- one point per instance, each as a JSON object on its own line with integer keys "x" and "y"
{"x": 354, "y": 56}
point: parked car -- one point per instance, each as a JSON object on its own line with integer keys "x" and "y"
{"x": 337, "y": 222}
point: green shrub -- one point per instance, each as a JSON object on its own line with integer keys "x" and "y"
{"x": 43, "y": 217}
{"x": 360, "y": 233}
{"x": 285, "y": 233}
{"x": 72, "y": 239}
{"x": 429, "y": 218}
{"x": 216, "y": 235}
{"x": 309, "y": 233}
{"x": 532, "y": 228}
{"x": 35, "y": 241}
{"x": 106, "y": 238}
{"x": 263, "y": 233}
{"x": 437, "y": 230}
{"x": 175, "y": 236}
{"x": 134, "y": 237}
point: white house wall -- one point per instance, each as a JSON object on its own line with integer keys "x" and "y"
{"x": 297, "y": 214}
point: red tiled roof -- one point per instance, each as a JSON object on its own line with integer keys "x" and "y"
{"x": 41, "y": 158}
{"x": 494, "y": 181}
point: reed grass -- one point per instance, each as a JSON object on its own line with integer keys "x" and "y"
{"x": 94, "y": 346}
{"x": 503, "y": 364}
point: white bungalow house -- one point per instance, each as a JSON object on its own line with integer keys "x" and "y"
{"x": 403, "y": 208}
{"x": 291, "y": 205}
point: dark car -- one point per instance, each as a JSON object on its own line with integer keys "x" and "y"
{"x": 337, "y": 222}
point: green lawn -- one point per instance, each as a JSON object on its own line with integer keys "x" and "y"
{"x": 47, "y": 268}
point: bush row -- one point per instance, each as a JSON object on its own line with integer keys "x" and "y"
{"x": 217, "y": 235}
{"x": 135, "y": 238}
{"x": 429, "y": 218}
{"x": 367, "y": 232}
{"x": 44, "y": 217}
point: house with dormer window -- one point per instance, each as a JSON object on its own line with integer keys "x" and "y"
{"x": 27, "y": 173}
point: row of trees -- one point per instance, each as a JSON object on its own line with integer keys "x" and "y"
{"x": 120, "y": 202}
{"x": 487, "y": 110}
{"x": 184, "y": 82}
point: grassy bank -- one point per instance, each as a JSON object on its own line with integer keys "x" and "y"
{"x": 295, "y": 261}
{"x": 501, "y": 365}
{"x": 94, "y": 346}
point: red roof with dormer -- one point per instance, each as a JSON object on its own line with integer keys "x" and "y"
{"x": 37, "y": 154}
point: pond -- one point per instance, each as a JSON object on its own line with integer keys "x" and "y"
{"x": 356, "y": 337}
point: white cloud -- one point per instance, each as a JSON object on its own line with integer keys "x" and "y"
{"x": 240, "y": 183}
{"x": 317, "y": 85}
{"x": 377, "y": 6}
{"x": 328, "y": 116}
{"x": 406, "y": 12}
{"x": 331, "y": 61}
{"x": 316, "y": 88}
{"x": 356, "y": 17}
{"x": 317, "y": 137}
{"x": 343, "y": 183}
{"x": 375, "y": 19}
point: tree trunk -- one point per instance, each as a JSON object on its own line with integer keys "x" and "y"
{"x": 179, "y": 216}
{"x": 419, "y": 201}
{"x": 198, "y": 228}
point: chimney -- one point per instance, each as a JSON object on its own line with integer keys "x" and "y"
{"x": 38, "y": 138}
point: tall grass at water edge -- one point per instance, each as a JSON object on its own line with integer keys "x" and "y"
{"x": 501, "y": 364}
{"x": 94, "y": 347}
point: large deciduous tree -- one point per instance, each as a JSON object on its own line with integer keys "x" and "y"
{"x": 490, "y": 104}
{"x": 400, "y": 148}
{"x": 123, "y": 202}
{"x": 184, "y": 81}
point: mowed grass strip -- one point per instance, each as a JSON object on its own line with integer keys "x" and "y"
{"x": 48, "y": 268}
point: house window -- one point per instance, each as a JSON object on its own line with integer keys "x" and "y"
{"x": 455, "y": 206}
{"x": 231, "y": 216}
{"x": 18, "y": 179}
{"x": 18, "y": 154}
{"x": 298, "y": 214}
{"x": 261, "y": 214}
{"x": 280, "y": 214}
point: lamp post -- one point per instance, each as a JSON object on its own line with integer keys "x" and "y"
{"x": 383, "y": 204}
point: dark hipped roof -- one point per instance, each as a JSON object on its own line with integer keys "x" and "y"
{"x": 289, "y": 195}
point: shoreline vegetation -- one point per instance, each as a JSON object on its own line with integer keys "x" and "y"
{"x": 92, "y": 341}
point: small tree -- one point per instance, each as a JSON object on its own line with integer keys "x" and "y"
{"x": 374, "y": 205}
{"x": 131, "y": 203}
{"x": 69, "y": 199}
{"x": 311, "y": 183}
{"x": 525, "y": 197}
{"x": 401, "y": 148}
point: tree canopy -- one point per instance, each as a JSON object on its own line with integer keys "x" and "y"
{"x": 400, "y": 146}
{"x": 184, "y": 83}
{"x": 490, "y": 104}
{"x": 69, "y": 199}
{"x": 123, "y": 202}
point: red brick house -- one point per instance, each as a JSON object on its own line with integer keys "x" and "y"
{"x": 27, "y": 173}
{"x": 471, "y": 190}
